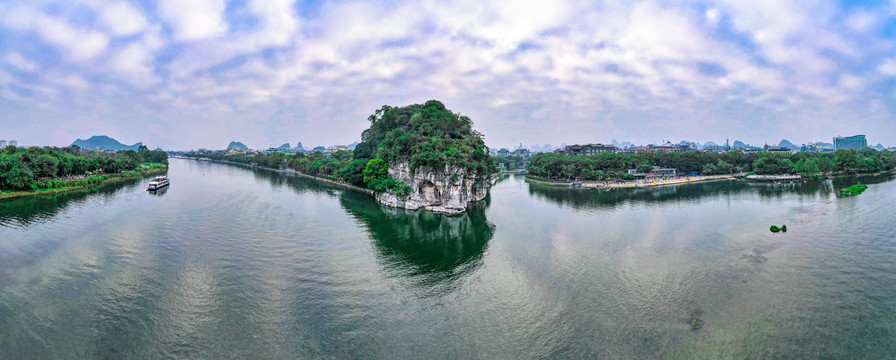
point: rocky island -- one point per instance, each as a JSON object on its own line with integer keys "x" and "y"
{"x": 424, "y": 156}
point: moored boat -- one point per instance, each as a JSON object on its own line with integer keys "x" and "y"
{"x": 158, "y": 183}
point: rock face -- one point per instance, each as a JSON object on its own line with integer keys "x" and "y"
{"x": 446, "y": 191}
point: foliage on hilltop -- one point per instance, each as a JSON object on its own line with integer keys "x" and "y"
{"x": 427, "y": 135}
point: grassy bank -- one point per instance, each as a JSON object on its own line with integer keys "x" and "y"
{"x": 58, "y": 186}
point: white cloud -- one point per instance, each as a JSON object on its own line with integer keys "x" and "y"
{"x": 15, "y": 59}
{"x": 712, "y": 16}
{"x": 123, "y": 18}
{"x": 888, "y": 67}
{"x": 194, "y": 19}
{"x": 861, "y": 21}
{"x": 852, "y": 82}
{"x": 278, "y": 21}
{"x": 77, "y": 44}
{"x": 134, "y": 62}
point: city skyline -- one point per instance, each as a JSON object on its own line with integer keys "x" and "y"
{"x": 270, "y": 72}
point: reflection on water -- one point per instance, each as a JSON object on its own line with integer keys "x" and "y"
{"x": 158, "y": 192}
{"x": 434, "y": 250}
{"x": 24, "y": 211}
{"x": 236, "y": 262}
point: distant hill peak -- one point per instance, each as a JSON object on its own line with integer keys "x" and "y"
{"x": 788, "y": 145}
{"x": 103, "y": 142}
{"x": 236, "y": 145}
{"x": 299, "y": 146}
{"x": 284, "y": 146}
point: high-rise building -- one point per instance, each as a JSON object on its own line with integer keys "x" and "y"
{"x": 854, "y": 142}
{"x": 2, "y": 144}
{"x": 13, "y": 143}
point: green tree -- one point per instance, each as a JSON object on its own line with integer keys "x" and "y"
{"x": 846, "y": 161}
{"x": 353, "y": 173}
{"x": 17, "y": 178}
{"x": 46, "y": 166}
{"x": 375, "y": 169}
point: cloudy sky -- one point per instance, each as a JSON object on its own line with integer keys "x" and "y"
{"x": 185, "y": 74}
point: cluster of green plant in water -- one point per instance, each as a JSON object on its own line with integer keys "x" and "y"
{"x": 423, "y": 136}
{"x": 853, "y": 190}
{"x": 775, "y": 228}
{"x": 40, "y": 168}
{"x": 607, "y": 166}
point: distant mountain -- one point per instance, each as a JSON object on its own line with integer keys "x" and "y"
{"x": 710, "y": 143}
{"x": 319, "y": 148}
{"x": 623, "y": 144}
{"x": 284, "y": 146}
{"x": 738, "y": 144}
{"x": 299, "y": 147}
{"x": 878, "y": 147}
{"x": 353, "y": 145}
{"x": 236, "y": 145}
{"x": 103, "y": 142}
{"x": 787, "y": 144}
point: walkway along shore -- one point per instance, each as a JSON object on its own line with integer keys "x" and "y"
{"x": 297, "y": 173}
{"x": 638, "y": 183}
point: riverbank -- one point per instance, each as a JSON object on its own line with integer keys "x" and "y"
{"x": 60, "y": 186}
{"x": 297, "y": 173}
{"x": 623, "y": 184}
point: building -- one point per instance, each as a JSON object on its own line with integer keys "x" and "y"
{"x": 2, "y": 144}
{"x": 817, "y": 147}
{"x": 854, "y": 142}
{"x": 665, "y": 147}
{"x": 587, "y": 149}
{"x": 778, "y": 149}
{"x": 522, "y": 152}
{"x": 13, "y": 143}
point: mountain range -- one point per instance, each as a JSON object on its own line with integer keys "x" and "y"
{"x": 103, "y": 142}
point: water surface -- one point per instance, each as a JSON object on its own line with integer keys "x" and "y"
{"x": 231, "y": 262}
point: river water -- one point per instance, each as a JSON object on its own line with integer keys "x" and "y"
{"x": 231, "y": 262}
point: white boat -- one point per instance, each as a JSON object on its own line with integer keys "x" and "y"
{"x": 158, "y": 183}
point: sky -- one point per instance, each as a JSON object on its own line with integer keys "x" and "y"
{"x": 200, "y": 73}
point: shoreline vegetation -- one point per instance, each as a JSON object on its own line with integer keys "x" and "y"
{"x": 41, "y": 170}
{"x": 60, "y": 186}
{"x": 616, "y": 166}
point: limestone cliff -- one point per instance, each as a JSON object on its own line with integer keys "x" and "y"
{"x": 445, "y": 190}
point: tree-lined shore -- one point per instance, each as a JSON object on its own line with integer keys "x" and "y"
{"x": 33, "y": 170}
{"x": 611, "y": 166}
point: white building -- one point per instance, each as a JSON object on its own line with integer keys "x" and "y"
{"x": 13, "y": 143}
{"x": 2, "y": 144}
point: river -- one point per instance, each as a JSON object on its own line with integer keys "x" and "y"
{"x": 232, "y": 262}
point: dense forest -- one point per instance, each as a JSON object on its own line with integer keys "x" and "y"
{"x": 39, "y": 167}
{"x": 615, "y": 166}
{"x": 427, "y": 135}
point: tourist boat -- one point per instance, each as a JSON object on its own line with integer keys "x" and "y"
{"x": 158, "y": 183}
